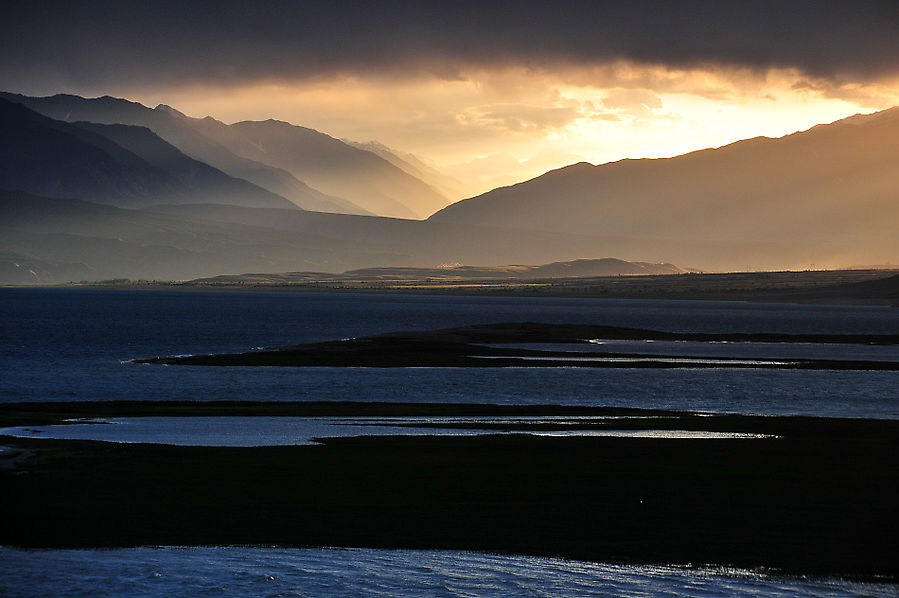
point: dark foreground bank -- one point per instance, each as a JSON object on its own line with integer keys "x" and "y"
{"x": 819, "y": 498}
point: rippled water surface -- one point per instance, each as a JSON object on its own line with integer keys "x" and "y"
{"x": 176, "y": 572}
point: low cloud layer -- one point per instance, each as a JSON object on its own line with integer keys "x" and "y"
{"x": 81, "y": 45}
{"x": 494, "y": 91}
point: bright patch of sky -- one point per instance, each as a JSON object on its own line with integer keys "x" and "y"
{"x": 492, "y": 127}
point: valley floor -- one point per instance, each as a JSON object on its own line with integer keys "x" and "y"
{"x": 850, "y": 287}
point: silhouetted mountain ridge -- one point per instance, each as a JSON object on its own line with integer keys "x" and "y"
{"x": 204, "y": 182}
{"x": 41, "y": 155}
{"x": 177, "y": 129}
{"x": 96, "y": 162}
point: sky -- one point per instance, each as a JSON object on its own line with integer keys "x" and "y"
{"x": 491, "y": 92}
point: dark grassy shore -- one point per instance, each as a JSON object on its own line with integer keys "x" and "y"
{"x": 820, "y": 498}
{"x": 849, "y": 287}
{"x": 465, "y": 347}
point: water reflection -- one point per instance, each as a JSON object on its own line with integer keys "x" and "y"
{"x": 240, "y": 571}
{"x": 291, "y": 431}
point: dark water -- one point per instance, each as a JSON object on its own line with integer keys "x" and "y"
{"x": 75, "y": 344}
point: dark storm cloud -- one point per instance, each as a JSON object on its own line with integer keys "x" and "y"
{"x": 167, "y": 43}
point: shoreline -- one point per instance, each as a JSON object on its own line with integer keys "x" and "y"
{"x": 818, "y": 499}
{"x": 58, "y": 412}
{"x": 480, "y": 346}
{"x": 872, "y": 287}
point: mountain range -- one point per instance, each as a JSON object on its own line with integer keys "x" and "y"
{"x": 446, "y": 184}
{"x": 168, "y": 126}
{"x": 328, "y": 164}
{"x": 833, "y": 189}
{"x": 274, "y": 155}
{"x": 116, "y": 164}
{"x": 107, "y": 188}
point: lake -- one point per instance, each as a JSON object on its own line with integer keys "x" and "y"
{"x": 75, "y": 345}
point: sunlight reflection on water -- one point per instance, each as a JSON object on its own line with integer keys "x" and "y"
{"x": 240, "y": 571}
{"x": 281, "y": 431}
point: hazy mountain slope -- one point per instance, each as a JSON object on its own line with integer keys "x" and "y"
{"x": 67, "y": 239}
{"x": 446, "y": 185}
{"x": 177, "y": 129}
{"x": 16, "y": 268}
{"x": 832, "y": 184}
{"x": 109, "y": 242}
{"x": 79, "y": 160}
{"x": 206, "y": 184}
{"x": 328, "y": 164}
{"x": 429, "y": 244}
{"x": 41, "y": 155}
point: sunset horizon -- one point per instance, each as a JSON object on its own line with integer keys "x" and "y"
{"x": 493, "y": 99}
{"x": 472, "y": 298}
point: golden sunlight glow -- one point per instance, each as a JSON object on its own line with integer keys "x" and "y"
{"x": 519, "y": 123}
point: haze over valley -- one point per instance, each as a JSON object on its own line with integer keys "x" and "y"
{"x": 148, "y": 143}
{"x": 107, "y": 188}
